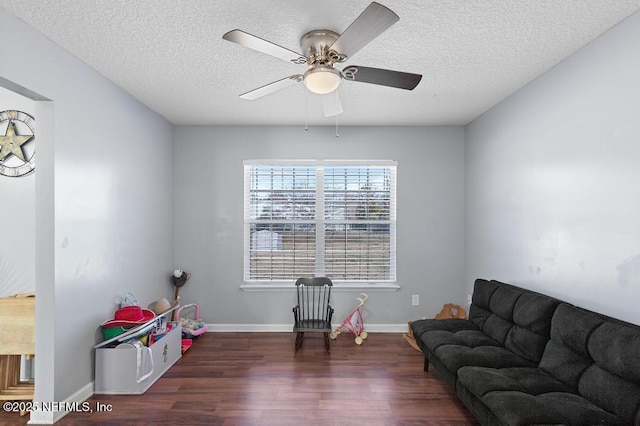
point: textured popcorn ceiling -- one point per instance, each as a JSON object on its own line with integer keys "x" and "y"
{"x": 171, "y": 56}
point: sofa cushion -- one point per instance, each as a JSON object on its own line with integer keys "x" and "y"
{"x": 566, "y": 356}
{"x": 455, "y": 356}
{"x": 469, "y": 338}
{"x": 564, "y": 364}
{"x": 523, "y": 396}
{"x": 613, "y": 381}
{"x": 532, "y": 315}
{"x": 516, "y": 318}
{"x": 451, "y": 325}
{"x": 503, "y": 300}
{"x": 612, "y": 393}
{"x": 497, "y": 327}
{"x": 616, "y": 347}
{"x": 482, "y": 292}
{"x": 597, "y": 357}
{"x": 555, "y": 408}
{"x": 481, "y": 381}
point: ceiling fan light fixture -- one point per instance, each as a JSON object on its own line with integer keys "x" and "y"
{"x": 322, "y": 79}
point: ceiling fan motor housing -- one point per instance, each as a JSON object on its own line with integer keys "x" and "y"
{"x": 315, "y": 47}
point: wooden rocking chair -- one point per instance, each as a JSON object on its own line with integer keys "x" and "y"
{"x": 313, "y": 312}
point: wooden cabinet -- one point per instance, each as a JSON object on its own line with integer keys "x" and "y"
{"x": 17, "y": 338}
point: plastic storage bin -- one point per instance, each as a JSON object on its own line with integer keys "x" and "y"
{"x": 124, "y": 370}
{"x": 128, "y": 369}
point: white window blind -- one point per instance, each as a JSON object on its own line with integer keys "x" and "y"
{"x": 329, "y": 218}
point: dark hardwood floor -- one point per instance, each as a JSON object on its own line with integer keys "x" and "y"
{"x": 256, "y": 379}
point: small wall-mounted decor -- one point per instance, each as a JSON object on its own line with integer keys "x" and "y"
{"x": 17, "y": 143}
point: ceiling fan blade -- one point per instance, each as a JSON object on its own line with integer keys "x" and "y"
{"x": 272, "y": 87}
{"x": 256, "y": 43}
{"x": 397, "y": 79}
{"x": 331, "y": 104}
{"x": 372, "y": 22}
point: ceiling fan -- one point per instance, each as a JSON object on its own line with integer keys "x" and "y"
{"x": 322, "y": 49}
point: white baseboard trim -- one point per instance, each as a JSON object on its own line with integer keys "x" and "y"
{"x": 387, "y": 328}
{"x": 249, "y": 328}
{"x": 72, "y": 402}
{"x": 41, "y": 418}
{"x": 282, "y": 328}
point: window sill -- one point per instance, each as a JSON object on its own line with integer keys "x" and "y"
{"x": 288, "y": 286}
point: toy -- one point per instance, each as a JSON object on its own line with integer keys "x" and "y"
{"x": 449, "y": 310}
{"x": 179, "y": 279}
{"x": 186, "y": 344}
{"x": 191, "y": 327}
{"x": 354, "y": 322}
{"x": 410, "y": 339}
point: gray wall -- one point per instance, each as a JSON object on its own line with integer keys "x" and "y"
{"x": 209, "y": 217}
{"x": 552, "y": 175}
{"x": 104, "y": 188}
{"x": 18, "y": 242}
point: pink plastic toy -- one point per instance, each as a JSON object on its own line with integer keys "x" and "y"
{"x": 354, "y": 322}
{"x": 191, "y": 327}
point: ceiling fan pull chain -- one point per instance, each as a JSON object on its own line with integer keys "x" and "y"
{"x": 337, "y": 134}
{"x": 306, "y": 110}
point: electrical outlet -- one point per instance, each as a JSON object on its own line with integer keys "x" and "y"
{"x": 468, "y": 299}
{"x": 415, "y": 300}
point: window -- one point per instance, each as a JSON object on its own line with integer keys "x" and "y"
{"x": 322, "y": 218}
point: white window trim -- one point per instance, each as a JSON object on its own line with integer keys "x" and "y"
{"x": 337, "y": 284}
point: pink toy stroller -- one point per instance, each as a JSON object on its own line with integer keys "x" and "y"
{"x": 354, "y": 322}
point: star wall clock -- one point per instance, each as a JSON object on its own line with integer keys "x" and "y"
{"x": 17, "y": 143}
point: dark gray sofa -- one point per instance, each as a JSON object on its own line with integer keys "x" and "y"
{"x": 523, "y": 358}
